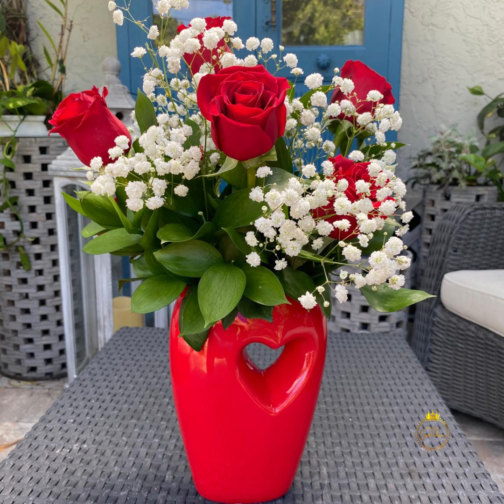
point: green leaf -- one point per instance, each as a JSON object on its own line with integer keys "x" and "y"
{"x": 145, "y": 113}
{"x": 493, "y": 149}
{"x": 8, "y": 163}
{"x": 2, "y": 241}
{"x": 260, "y": 160}
{"x": 155, "y": 267}
{"x": 155, "y": 293}
{"x": 51, "y": 41}
{"x": 48, "y": 57}
{"x": 25, "y": 259}
{"x": 149, "y": 239}
{"x": 230, "y": 318}
{"x": 191, "y": 319}
{"x": 196, "y": 341}
{"x": 263, "y": 286}
{"x": 283, "y": 155}
{"x": 219, "y": 291}
{"x": 48, "y": 2}
{"x": 111, "y": 241}
{"x": 91, "y": 229}
{"x": 377, "y": 242}
{"x": 237, "y": 177}
{"x": 376, "y": 150}
{"x": 239, "y": 240}
{"x": 279, "y": 180}
{"x": 182, "y": 233}
{"x": 478, "y": 162}
{"x": 488, "y": 110}
{"x": 251, "y": 310}
{"x": 190, "y": 258}
{"x": 127, "y": 224}
{"x": 295, "y": 282}
{"x": 476, "y": 90}
{"x": 101, "y": 210}
{"x": 194, "y": 138}
{"x": 386, "y": 300}
{"x": 140, "y": 267}
{"x": 237, "y": 210}
{"x": 8, "y": 203}
{"x": 74, "y": 203}
{"x": 229, "y": 164}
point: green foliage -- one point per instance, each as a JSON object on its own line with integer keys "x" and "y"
{"x": 385, "y": 300}
{"x": 237, "y": 210}
{"x": 111, "y": 241}
{"x": 219, "y": 291}
{"x": 144, "y": 112}
{"x": 488, "y": 159}
{"x": 155, "y": 293}
{"x": 263, "y": 287}
{"x": 190, "y": 259}
{"x": 443, "y": 163}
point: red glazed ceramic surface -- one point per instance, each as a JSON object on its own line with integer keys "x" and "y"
{"x": 244, "y": 429}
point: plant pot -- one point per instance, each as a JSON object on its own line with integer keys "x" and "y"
{"x": 31, "y": 126}
{"x": 244, "y": 429}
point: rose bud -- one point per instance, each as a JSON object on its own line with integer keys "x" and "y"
{"x": 246, "y": 108}
{"x": 88, "y": 126}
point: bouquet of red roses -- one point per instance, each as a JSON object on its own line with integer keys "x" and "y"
{"x": 237, "y": 188}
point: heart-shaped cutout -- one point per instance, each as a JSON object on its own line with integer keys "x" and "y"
{"x": 262, "y": 356}
{"x": 276, "y": 385}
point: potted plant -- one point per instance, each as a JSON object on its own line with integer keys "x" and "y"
{"x": 31, "y": 341}
{"x": 449, "y": 178}
{"x": 484, "y": 160}
{"x": 221, "y": 208}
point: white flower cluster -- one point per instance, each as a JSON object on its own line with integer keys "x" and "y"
{"x": 300, "y": 217}
{"x": 291, "y": 222}
{"x": 163, "y": 155}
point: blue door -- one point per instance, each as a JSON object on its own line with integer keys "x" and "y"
{"x": 323, "y": 33}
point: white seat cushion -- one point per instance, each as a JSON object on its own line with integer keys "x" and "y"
{"x": 477, "y": 296}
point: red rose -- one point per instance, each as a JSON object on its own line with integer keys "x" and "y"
{"x": 246, "y": 108}
{"x": 204, "y": 55}
{"x": 352, "y": 172}
{"x": 86, "y": 123}
{"x": 365, "y": 80}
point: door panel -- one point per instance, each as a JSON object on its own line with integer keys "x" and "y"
{"x": 364, "y": 37}
{"x": 366, "y": 30}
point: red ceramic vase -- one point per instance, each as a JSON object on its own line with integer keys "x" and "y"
{"x": 244, "y": 429}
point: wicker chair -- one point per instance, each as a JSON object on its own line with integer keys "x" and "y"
{"x": 464, "y": 360}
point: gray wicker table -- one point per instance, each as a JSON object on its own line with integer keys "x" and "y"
{"x": 112, "y": 437}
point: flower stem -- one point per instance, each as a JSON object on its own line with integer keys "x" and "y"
{"x": 251, "y": 177}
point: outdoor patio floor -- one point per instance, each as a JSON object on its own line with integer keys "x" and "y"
{"x": 23, "y": 403}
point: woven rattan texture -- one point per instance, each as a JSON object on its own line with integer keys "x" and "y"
{"x": 32, "y": 336}
{"x": 113, "y": 436}
{"x": 438, "y": 201}
{"x": 463, "y": 359}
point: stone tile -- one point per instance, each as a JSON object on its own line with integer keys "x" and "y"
{"x": 491, "y": 452}
{"x": 474, "y": 428}
{"x": 45, "y": 384}
{"x": 10, "y": 434}
{"x": 25, "y": 405}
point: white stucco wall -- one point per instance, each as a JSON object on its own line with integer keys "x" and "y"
{"x": 93, "y": 39}
{"x": 448, "y": 45}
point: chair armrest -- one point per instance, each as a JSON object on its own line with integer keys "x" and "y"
{"x": 469, "y": 237}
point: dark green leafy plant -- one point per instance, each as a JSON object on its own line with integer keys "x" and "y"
{"x": 444, "y": 164}
{"x": 487, "y": 160}
{"x": 24, "y": 92}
